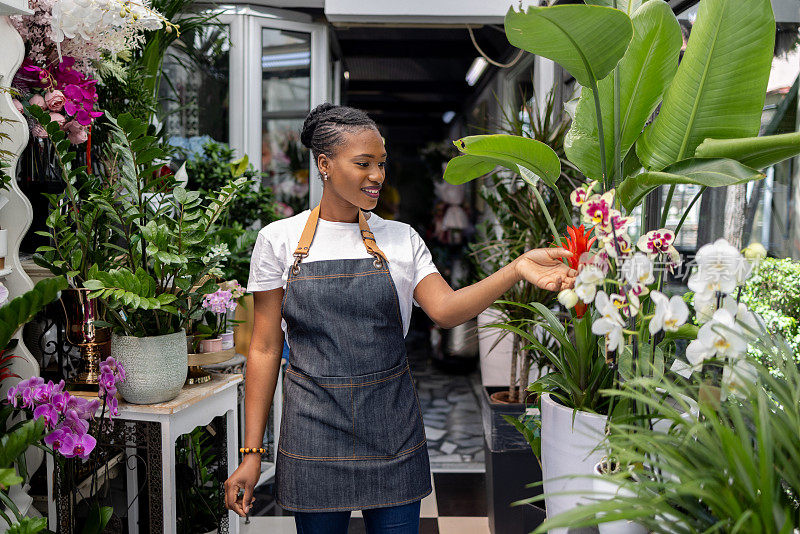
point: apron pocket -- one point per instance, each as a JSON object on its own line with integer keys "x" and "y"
{"x": 388, "y": 422}
{"x": 317, "y": 421}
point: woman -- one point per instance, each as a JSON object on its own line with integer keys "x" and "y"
{"x": 352, "y": 435}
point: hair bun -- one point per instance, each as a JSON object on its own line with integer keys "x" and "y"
{"x": 312, "y": 119}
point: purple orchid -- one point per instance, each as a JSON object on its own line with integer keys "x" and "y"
{"x": 49, "y": 413}
{"x": 77, "y": 445}
{"x": 55, "y": 438}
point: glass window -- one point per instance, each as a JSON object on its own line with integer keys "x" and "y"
{"x": 195, "y": 87}
{"x": 285, "y": 102}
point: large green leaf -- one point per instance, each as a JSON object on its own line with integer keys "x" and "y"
{"x": 713, "y": 172}
{"x": 462, "y": 169}
{"x": 644, "y": 72}
{"x": 586, "y": 40}
{"x": 720, "y": 85}
{"x": 510, "y": 151}
{"x": 22, "y": 309}
{"x": 756, "y": 152}
{"x": 628, "y": 6}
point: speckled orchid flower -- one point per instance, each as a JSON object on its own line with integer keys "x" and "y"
{"x": 616, "y": 221}
{"x": 659, "y": 242}
{"x": 623, "y": 248}
{"x": 581, "y": 194}
{"x": 597, "y": 209}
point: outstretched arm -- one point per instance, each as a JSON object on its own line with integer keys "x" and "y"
{"x": 542, "y": 267}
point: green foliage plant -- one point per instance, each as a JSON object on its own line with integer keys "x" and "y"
{"x": 707, "y": 467}
{"x": 624, "y": 54}
{"x": 254, "y": 207}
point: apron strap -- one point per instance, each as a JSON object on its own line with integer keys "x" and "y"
{"x": 308, "y": 235}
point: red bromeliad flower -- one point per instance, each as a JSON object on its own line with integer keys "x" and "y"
{"x": 578, "y": 242}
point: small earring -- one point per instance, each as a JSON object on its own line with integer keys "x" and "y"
{"x": 324, "y": 175}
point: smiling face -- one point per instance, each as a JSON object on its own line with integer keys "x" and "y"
{"x": 356, "y": 171}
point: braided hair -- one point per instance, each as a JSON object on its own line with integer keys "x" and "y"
{"x": 325, "y": 125}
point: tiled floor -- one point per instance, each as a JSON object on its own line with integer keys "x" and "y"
{"x": 457, "y": 505}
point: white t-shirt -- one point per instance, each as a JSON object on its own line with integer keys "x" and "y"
{"x": 409, "y": 258}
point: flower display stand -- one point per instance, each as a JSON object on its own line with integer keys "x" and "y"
{"x": 159, "y": 426}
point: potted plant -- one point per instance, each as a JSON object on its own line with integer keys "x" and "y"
{"x": 721, "y": 467}
{"x": 626, "y": 62}
{"x": 151, "y": 286}
{"x": 217, "y": 306}
{"x": 508, "y": 363}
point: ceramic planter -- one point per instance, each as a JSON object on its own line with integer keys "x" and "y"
{"x": 608, "y": 489}
{"x": 155, "y": 366}
{"x": 227, "y": 340}
{"x": 211, "y": 345}
{"x": 495, "y": 359}
{"x": 568, "y": 449}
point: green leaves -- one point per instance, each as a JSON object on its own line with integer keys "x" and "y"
{"x": 719, "y": 88}
{"x": 20, "y": 310}
{"x": 133, "y": 290}
{"x": 18, "y": 440}
{"x": 646, "y": 69}
{"x": 508, "y": 151}
{"x": 462, "y": 169}
{"x": 756, "y": 152}
{"x": 586, "y": 40}
{"x": 706, "y": 172}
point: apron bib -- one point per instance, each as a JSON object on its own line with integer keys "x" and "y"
{"x": 352, "y": 435}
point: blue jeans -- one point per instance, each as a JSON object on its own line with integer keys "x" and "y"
{"x": 403, "y": 519}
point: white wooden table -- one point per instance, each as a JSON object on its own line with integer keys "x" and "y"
{"x": 196, "y": 405}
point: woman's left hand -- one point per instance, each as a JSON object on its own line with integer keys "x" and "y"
{"x": 544, "y": 268}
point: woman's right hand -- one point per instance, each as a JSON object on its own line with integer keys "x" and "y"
{"x": 245, "y": 477}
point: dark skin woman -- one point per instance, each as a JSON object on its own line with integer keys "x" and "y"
{"x": 353, "y": 175}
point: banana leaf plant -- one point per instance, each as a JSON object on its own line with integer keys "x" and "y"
{"x": 625, "y": 56}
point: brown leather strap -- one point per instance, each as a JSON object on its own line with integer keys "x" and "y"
{"x": 311, "y": 226}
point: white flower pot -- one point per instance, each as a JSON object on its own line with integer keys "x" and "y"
{"x": 568, "y": 449}
{"x": 607, "y": 489}
{"x": 495, "y": 363}
{"x": 155, "y": 366}
{"x": 227, "y": 340}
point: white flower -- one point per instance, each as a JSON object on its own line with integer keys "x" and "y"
{"x": 718, "y": 338}
{"x": 610, "y": 322}
{"x": 755, "y": 251}
{"x": 669, "y": 314}
{"x": 628, "y": 307}
{"x": 720, "y": 267}
{"x": 587, "y": 281}
{"x": 3, "y": 294}
{"x": 638, "y": 269}
{"x": 568, "y": 298}
{"x": 737, "y": 376}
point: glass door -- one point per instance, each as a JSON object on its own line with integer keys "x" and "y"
{"x": 292, "y": 75}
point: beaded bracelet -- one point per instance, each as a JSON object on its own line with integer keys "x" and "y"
{"x": 259, "y": 450}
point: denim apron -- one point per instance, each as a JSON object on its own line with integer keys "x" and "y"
{"x": 352, "y": 435}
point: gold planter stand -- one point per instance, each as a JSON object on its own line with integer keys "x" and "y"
{"x": 197, "y": 375}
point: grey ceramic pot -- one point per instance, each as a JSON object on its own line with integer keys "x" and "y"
{"x": 155, "y": 366}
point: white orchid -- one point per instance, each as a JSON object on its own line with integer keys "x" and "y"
{"x": 638, "y": 269}
{"x": 610, "y": 323}
{"x": 718, "y": 338}
{"x": 720, "y": 267}
{"x": 737, "y": 376}
{"x": 628, "y": 307}
{"x": 3, "y": 294}
{"x": 587, "y": 281}
{"x": 670, "y": 313}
